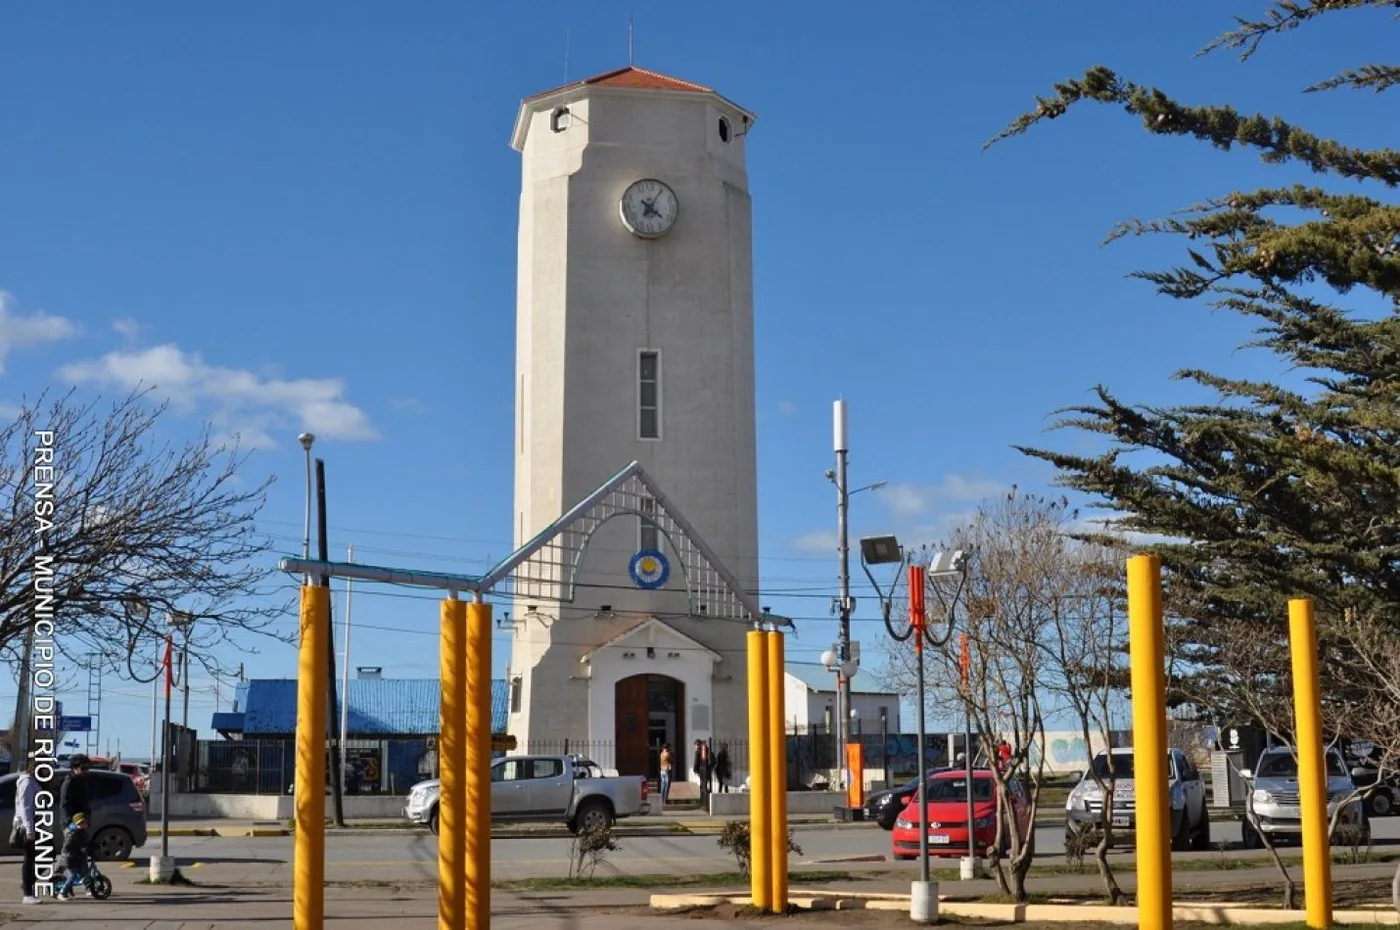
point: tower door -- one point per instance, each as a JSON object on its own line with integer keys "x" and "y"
{"x": 630, "y": 708}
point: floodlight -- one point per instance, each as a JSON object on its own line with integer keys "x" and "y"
{"x": 880, "y": 550}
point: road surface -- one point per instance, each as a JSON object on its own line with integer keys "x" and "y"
{"x": 399, "y": 857}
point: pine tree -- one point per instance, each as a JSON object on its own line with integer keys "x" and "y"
{"x": 1266, "y": 492}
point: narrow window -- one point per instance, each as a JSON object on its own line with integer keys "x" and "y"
{"x": 649, "y": 395}
{"x": 647, "y": 535}
{"x": 559, "y": 119}
{"x": 515, "y": 687}
{"x": 724, "y": 130}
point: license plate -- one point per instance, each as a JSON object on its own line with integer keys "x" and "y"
{"x": 939, "y": 839}
{"x": 1122, "y": 821}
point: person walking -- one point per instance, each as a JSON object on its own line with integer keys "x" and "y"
{"x": 24, "y": 834}
{"x": 723, "y": 769}
{"x": 665, "y": 762}
{"x": 73, "y": 797}
{"x": 704, "y": 770}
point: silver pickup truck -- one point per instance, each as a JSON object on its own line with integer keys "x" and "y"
{"x": 571, "y": 789}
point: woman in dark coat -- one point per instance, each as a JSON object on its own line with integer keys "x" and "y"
{"x": 723, "y": 770}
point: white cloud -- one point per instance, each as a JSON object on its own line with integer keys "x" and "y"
{"x": 786, "y": 408}
{"x": 28, "y": 332}
{"x": 409, "y": 405}
{"x": 911, "y": 500}
{"x": 234, "y": 400}
{"x": 815, "y": 541}
{"x": 127, "y": 328}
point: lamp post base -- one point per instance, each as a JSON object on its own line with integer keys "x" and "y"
{"x": 969, "y": 868}
{"x": 162, "y": 869}
{"x": 923, "y": 902}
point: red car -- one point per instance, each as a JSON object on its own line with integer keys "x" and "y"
{"x": 947, "y": 816}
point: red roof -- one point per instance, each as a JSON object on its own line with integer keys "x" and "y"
{"x": 638, "y": 78}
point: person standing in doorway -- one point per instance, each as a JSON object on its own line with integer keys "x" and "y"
{"x": 665, "y": 763}
{"x": 24, "y": 833}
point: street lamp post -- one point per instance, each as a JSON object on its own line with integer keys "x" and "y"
{"x": 844, "y": 664}
{"x": 883, "y": 550}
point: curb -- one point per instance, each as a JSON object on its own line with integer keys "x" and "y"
{"x": 1228, "y": 914}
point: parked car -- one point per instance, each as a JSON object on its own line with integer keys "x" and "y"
{"x": 568, "y": 789}
{"x": 884, "y": 807}
{"x": 1366, "y": 772}
{"x": 118, "y": 813}
{"x": 136, "y": 772}
{"x": 948, "y": 832}
{"x": 1190, "y": 815}
{"x": 1272, "y": 805}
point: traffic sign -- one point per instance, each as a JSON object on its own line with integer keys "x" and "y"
{"x": 75, "y": 724}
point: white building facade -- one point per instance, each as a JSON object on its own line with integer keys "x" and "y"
{"x": 810, "y": 699}
{"x": 634, "y": 344}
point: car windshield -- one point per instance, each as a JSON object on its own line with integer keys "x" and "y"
{"x": 955, "y": 789}
{"x": 1283, "y": 765}
{"x": 1122, "y": 766}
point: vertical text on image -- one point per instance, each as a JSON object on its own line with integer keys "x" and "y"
{"x": 43, "y": 705}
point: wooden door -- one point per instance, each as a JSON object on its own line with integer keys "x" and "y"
{"x": 630, "y": 725}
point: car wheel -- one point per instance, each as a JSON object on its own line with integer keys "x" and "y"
{"x": 112, "y": 843}
{"x": 1201, "y": 840}
{"x": 433, "y": 820}
{"x": 594, "y": 815}
{"x": 1250, "y": 836}
{"x": 1381, "y": 804}
{"x": 1181, "y": 841}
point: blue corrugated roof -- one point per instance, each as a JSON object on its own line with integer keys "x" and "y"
{"x": 818, "y": 678}
{"x": 378, "y": 706}
{"x": 227, "y": 721}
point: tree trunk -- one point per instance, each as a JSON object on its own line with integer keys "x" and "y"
{"x": 1020, "y": 868}
{"x": 1110, "y": 882}
{"x": 1395, "y": 888}
{"x": 1290, "y": 890}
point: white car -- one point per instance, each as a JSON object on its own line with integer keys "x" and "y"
{"x": 1273, "y": 806}
{"x": 1190, "y": 816}
{"x": 567, "y": 789}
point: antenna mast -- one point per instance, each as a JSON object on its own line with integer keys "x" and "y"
{"x": 630, "y": 59}
{"x": 568, "y": 37}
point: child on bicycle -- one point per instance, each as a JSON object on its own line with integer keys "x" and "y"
{"x": 76, "y": 854}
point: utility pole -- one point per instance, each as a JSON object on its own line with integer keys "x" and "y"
{"x": 345, "y": 670}
{"x": 843, "y": 647}
{"x": 333, "y": 751}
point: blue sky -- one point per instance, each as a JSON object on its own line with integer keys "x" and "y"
{"x": 304, "y": 215}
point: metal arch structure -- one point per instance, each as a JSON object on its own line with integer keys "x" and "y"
{"x": 548, "y": 566}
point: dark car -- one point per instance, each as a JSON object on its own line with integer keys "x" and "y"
{"x": 118, "y": 813}
{"x": 883, "y": 807}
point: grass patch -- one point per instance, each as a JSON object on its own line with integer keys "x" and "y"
{"x": 177, "y": 878}
{"x": 704, "y": 880}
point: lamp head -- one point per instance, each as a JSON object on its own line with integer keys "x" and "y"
{"x": 881, "y": 550}
{"x": 306, "y": 439}
{"x": 829, "y": 660}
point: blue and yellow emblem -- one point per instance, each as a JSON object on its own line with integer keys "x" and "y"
{"x": 649, "y": 569}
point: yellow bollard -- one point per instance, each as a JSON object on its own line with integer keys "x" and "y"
{"x": 759, "y": 781}
{"x": 309, "y": 871}
{"x": 777, "y": 773}
{"x": 1149, "y": 689}
{"x": 452, "y": 813}
{"x": 1312, "y": 763}
{"x": 478, "y": 767}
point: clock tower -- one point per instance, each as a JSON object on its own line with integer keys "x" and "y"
{"x": 634, "y": 342}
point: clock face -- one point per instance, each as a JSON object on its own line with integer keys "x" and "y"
{"x": 649, "y": 208}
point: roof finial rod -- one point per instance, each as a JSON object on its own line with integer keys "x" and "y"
{"x": 568, "y": 37}
{"x": 630, "y": 58}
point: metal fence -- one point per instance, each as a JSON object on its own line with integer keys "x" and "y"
{"x": 268, "y": 766}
